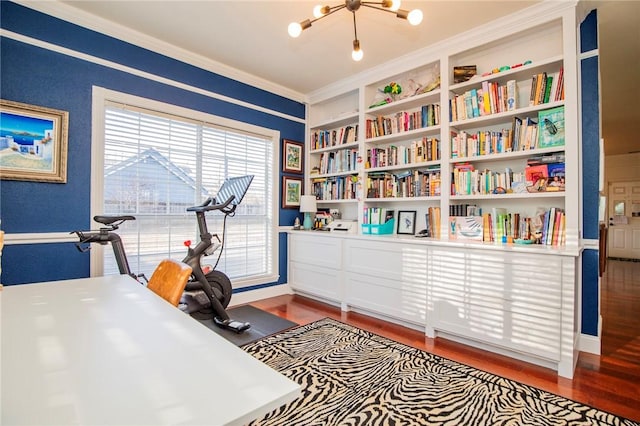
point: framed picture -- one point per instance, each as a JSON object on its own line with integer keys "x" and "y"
{"x": 292, "y": 157}
{"x": 291, "y": 192}
{"x": 407, "y": 222}
{"x": 33, "y": 142}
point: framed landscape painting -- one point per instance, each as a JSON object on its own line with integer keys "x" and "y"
{"x": 292, "y": 156}
{"x": 291, "y": 192}
{"x": 33, "y": 142}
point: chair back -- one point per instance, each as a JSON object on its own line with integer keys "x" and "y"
{"x": 169, "y": 280}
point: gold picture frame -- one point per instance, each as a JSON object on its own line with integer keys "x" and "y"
{"x": 33, "y": 142}
{"x": 292, "y": 157}
{"x": 291, "y": 192}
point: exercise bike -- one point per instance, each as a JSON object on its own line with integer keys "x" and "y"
{"x": 208, "y": 293}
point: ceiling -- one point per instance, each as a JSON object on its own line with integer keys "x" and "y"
{"x": 251, "y": 36}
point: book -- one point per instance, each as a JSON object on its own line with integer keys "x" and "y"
{"x": 512, "y": 95}
{"x": 466, "y": 228}
{"x": 551, "y": 127}
{"x": 534, "y": 173}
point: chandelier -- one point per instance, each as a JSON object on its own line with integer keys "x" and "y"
{"x": 392, "y": 6}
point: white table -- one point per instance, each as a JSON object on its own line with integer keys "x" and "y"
{"x": 109, "y": 351}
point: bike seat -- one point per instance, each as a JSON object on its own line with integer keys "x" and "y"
{"x": 108, "y": 220}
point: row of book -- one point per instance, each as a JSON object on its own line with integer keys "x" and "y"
{"x": 327, "y": 138}
{"x": 466, "y": 180}
{"x": 344, "y": 160}
{"x": 377, "y": 215}
{"x": 334, "y": 188}
{"x": 465, "y": 144}
{"x": 464, "y": 210}
{"x": 546, "y": 87}
{"x": 525, "y": 134}
{"x": 492, "y": 98}
{"x": 407, "y": 184}
{"x": 546, "y": 227}
{"x": 420, "y": 151}
{"x": 432, "y": 220}
{"x": 403, "y": 121}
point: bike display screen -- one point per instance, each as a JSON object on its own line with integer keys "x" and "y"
{"x": 236, "y": 186}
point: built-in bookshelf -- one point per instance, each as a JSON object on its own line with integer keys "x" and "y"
{"x": 484, "y": 166}
{"x": 438, "y": 142}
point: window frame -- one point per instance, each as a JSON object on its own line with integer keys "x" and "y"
{"x": 100, "y": 99}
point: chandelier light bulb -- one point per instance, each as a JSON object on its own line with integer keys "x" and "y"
{"x": 415, "y": 17}
{"x": 295, "y": 29}
{"x": 320, "y": 10}
{"x": 395, "y": 5}
{"x": 357, "y": 53}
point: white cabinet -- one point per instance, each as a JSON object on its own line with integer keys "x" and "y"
{"x": 387, "y": 278}
{"x": 315, "y": 263}
{"x": 512, "y": 300}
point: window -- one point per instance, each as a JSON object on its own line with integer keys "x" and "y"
{"x": 156, "y": 164}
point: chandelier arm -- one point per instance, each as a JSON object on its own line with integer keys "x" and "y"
{"x": 370, "y": 4}
{"x": 332, "y": 10}
{"x": 355, "y": 30}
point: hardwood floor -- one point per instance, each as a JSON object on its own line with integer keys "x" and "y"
{"x": 610, "y": 382}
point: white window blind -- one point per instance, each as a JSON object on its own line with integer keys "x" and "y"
{"x": 156, "y": 165}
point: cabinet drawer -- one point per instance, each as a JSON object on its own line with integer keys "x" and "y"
{"x": 389, "y": 297}
{"x": 518, "y": 331}
{"x": 393, "y": 261}
{"x": 315, "y": 280}
{"x": 315, "y": 249}
{"x": 517, "y": 278}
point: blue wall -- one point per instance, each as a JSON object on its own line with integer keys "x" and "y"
{"x": 42, "y": 77}
{"x": 590, "y": 108}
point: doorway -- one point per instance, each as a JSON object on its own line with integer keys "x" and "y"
{"x": 624, "y": 220}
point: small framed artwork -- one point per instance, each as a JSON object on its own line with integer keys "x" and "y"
{"x": 407, "y": 222}
{"x": 33, "y": 142}
{"x": 291, "y": 192}
{"x": 292, "y": 157}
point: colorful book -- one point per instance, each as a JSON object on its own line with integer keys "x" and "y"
{"x": 551, "y": 127}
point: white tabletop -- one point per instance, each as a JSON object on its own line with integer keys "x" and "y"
{"x": 109, "y": 351}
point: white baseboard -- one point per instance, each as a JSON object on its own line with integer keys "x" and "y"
{"x": 259, "y": 294}
{"x": 591, "y": 344}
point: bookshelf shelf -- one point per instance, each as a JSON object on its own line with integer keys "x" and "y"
{"x": 402, "y": 199}
{"x": 408, "y": 135}
{"x": 506, "y": 156}
{"x": 506, "y": 197}
{"x": 335, "y": 148}
{"x": 339, "y": 121}
{"x": 405, "y": 104}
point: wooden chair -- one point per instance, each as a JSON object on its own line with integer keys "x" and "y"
{"x": 169, "y": 280}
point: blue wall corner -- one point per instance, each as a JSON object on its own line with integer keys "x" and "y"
{"x": 590, "y": 292}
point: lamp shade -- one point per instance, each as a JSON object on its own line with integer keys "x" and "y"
{"x": 308, "y": 204}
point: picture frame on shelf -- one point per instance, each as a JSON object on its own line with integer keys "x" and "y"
{"x": 292, "y": 156}
{"x": 406, "y": 222}
{"x": 291, "y": 192}
{"x": 33, "y": 142}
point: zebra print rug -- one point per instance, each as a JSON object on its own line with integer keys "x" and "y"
{"x": 352, "y": 377}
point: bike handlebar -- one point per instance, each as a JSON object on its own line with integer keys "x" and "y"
{"x": 207, "y": 206}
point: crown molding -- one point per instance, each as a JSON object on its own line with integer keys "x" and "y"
{"x": 75, "y": 16}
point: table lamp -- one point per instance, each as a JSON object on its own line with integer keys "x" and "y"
{"x": 308, "y": 206}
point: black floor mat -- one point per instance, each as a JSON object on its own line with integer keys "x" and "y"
{"x": 262, "y": 324}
